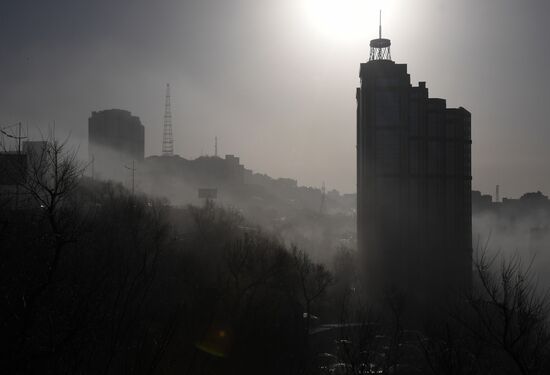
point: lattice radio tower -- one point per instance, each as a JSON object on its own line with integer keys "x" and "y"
{"x": 167, "y": 138}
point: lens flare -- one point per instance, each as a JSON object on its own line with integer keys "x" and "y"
{"x": 348, "y": 21}
{"x": 341, "y": 20}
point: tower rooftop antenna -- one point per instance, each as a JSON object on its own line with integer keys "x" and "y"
{"x": 380, "y": 26}
{"x": 380, "y": 48}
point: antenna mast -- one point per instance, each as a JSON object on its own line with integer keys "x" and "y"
{"x": 380, "y": 26}
{"x": 380, "y": 48}
{"x": 167, "y": 139}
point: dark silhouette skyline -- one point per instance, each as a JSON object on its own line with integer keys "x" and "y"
{"x": 278, "y": 79}
{"x": 126, "y": 249}
{"x": 115, "y": 139}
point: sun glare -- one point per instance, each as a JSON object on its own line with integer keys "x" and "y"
{"x": 343, "y": 20}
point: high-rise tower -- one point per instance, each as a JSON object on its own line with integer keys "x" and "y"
{"x": 414, "y": 183}
{"x": 167, "y": 139}
{"x": 115, "y": 137}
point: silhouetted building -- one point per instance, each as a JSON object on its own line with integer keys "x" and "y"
{"x": 35, "y": 149}
{"x": 115, "y": 139}
{"x": 15, "y": 168}
{"x": 178, "y": 178}
{"x": 481, "y": 202}
{"x": 414, "y": 182}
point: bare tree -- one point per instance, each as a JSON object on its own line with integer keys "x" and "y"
{"x": 312, "y": 283}
{"x": 314, "y": 280}
{"x": 509, "y": 315}
{"x": 49, "y": 177}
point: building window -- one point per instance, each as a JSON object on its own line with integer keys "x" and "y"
{"x": 413, "y": 157}
{"x": 384, "y": 82}
{"x": 450, "y": 158}
{"x": 387, "y": 152}
{"x": 413, "y": 118}
{"x": 450, "y": 130}
{"x": 387, "y": 194}
{"x": 435, "y": 157}
{"x": 435, "y": 125}
{"x": 387, "y": 108}
{"x": 467, "y": 159}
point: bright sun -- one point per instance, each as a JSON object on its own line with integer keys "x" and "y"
{"x": 343, "y": 20}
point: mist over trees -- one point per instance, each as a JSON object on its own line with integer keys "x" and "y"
{"x": 515, "y": 228}
{"x": 97, "y": 280}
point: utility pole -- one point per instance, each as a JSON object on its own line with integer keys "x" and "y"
{"x": 216, "y": 146}
{"x": 19, "y": 155}
{"x": 133, "y": 169}
{"x": 93, "y": 162}
{"x": 19, "y": 137}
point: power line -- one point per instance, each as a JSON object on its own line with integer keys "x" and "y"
{"x": 18, "y": 137}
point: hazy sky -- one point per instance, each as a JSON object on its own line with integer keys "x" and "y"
{"x": 275, "y": 79}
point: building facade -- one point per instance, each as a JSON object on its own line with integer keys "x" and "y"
{"x": 414, "y": 183}
{"x": 15, "y": 170}
{"x": 116, "y": 138}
